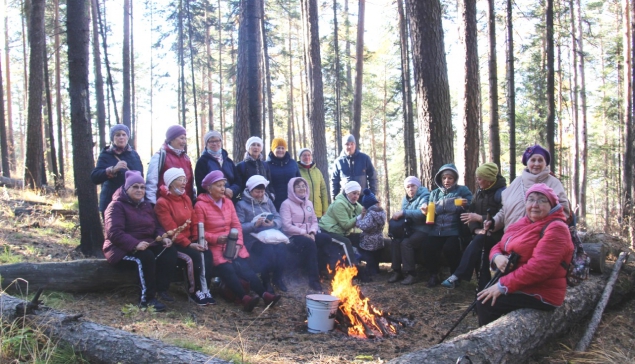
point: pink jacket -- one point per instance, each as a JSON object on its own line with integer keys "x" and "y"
{"x": 539, "y": 272}
{"x": 218, "y": 221}
{"x": 298, "y": 215}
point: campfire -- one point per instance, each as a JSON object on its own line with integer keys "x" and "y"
{"x": 356, "y": 316}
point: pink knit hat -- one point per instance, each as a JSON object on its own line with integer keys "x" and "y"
{"x": 211, "y": 178}
{"x": 133, "y": 177}
{"x": 545, "y": 190}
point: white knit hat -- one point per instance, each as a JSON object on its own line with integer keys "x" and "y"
{"x": 171, "y": 174}
{"x": 352, "y": 186}
{"x": 256, "y": 180}
{"x": 252, "y": 140}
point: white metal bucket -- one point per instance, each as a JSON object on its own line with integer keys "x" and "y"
{"x": 320, "y": 311}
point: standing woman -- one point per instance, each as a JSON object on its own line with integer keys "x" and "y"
{"x": 253, "y": 164}
{"x": 132, "y": 230}
{"x": 282, "y": 168}
{"x": 215, "y": 158}
{"x": 218, "y": 214}
{"x": 113, "y": 163}
{"x": 318, "y": 194}
{"x": 170, "y": 155}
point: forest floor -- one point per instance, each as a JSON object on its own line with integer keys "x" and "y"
{"x": 279, "y": 334}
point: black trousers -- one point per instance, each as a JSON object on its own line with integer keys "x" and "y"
{"x": 506, "y": 304}
{"x": 239, "y": 268}
{"x": 270, "y": 259}
{"x": 477, "y": 255}
{"x": 197, "y": 266}
{"x": 349, "y": 241}
{"x": 154, "y": 272}
{"x": 403, "y": 252}
{"x": 434, "y": 245}
{"x": 304, "y": 250}
{"x": 371, "y": 257}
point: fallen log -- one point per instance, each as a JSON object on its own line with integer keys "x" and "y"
{"x": 11, "y": 182}
{"x": 597, "y": 253}
{"x": 98, "y": 343}
{"x": 515, "y": 336}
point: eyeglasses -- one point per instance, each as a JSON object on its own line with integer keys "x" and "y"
{"x": 532, "y": 201}
{"x": 138, "y": 187}
{"x": 216, "y": 141}
{"x": 181, "y": 180}
{"x": 300, "y": 187}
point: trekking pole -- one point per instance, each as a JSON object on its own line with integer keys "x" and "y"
{"x": 513, "y": 258}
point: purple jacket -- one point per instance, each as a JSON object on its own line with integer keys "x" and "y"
{"x": 128, "y": 223}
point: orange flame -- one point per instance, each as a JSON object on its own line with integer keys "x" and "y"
{"x": 362, "y": 315}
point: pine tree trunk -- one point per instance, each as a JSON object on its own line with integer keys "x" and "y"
{"x": 338, "y": 83}
{"x": 126, "y": 66}
{"x": 133, "y": 110}
{"x": 551, "y": 104}
{"x": 494, "y": 133}
{"x": 99, "y": 80}
{"x": 77, "y": 28}
{"x": 629, "y": 134}
{"x": 349, "y": 78}
{"x": 431, "y": 87}
{"x": 51, "y": 128}
{"x": 265, "y": 50}
{"x": 58, "y": 94}
{"x": 359, "y": 73}
{"x": 385, "y": 158}
{"x": 290, "y": 101}
{"x": 574, "y": 106}
{"x": 511, "y": 93}
{"x": 471, "y": 90}
{"x": 34, "y": 152}
{"x": 410, "y": 150}
{"x": 4, "y": 146}
{"x": 189, "y": 39}
{"x": 102, "y": 31}
{"x": 584, "y": 141}
{"x": 7, "y": 59}
{"x": 221, "y": 105}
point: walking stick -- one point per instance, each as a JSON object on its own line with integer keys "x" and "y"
{"x": 202, "y": 243}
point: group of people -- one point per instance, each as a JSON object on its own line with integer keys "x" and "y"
{"x": 252, "y": 222}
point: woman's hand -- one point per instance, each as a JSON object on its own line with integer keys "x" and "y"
{"x": 310, "y": 236}
{"x": 143, "y": 245}
{"x": 119, "y": 166}
{"x": 490, "y": 293}
{"x": 397, "y": 215}
{"x": 424, "y": 208}
{"x": 501, "y": 262}
{"x": 259, "y": 222}
{"x": 471, "y": 217}
{"x": 222, "y": 240}
{"x": 197, "y": 247}
{"x": 487, "y": 225}
{"x": 167, "y": 242}
{"x": 229, "y": 193}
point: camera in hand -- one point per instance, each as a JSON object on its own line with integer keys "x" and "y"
{"x": 231, "y": 248}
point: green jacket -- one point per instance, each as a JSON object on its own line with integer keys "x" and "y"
{"x": 317, "y": 188}
{"x": 341, "y": 216}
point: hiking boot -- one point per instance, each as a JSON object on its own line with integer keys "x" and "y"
{"x": 395, "y": 277}
{"x": 266, "y": 283}
{"x": 209, "y": 299}
{"x": 199, "y": 298}
{"x": 249, "y": 303}
{"x": 156, "y": 305}
{"x": 433, "y": 281}
{"x": 451, "y": 283}
{"x": 316, "y": 286}
{"x": 165, "y": 297}
{"x": 280, "y": 284}
{"x": 410, "y": 279}
{"x": 271, "y": 298}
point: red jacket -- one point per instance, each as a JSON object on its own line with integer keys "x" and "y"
{"x": 218, "y": 221}
{"x": 173, "y": 211}
{"x": 539, "y": 272}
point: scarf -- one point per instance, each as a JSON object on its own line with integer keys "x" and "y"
{"x": 217, "y": 155}
{"x": 177, "y": 151}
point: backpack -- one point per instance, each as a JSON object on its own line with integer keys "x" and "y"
{"x": 578, "y": 268}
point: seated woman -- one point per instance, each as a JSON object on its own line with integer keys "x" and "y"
{"x": 300, "y": 223}
{"x": 450, "y": 200}
{"x": 135, "y": 239}
{"x": 174, "y": 210}
{"x": 413, "y": 220}
{"x": 340, "y": 218}
{"x": 488, "y": 200}
{"x": 217, "y": 213}
{"x": 256, "y": 213}
{"x": 543, "y": 242}
{"x": 371, "y": 221}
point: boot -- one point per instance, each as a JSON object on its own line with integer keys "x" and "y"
{"x": 271, "y": 298}
{"x": 410, "y": 279}
{"x": 395, "y": 277}
{"x": 280, "y": 284}
{"x": 250, "y": 302}
{"x": 434, "y": 280}
{"x": 266, "y": 283}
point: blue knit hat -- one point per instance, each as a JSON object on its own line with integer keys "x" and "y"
{"x": 369, "y": 199}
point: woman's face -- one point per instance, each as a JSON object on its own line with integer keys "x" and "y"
{"x": 257, "y": 194}
{"x": 120, "y": 139}
{"x": 214, "y": 144}
{"x": 483, "y": 183}
{"x": 536, "y": 164}
{"x": 178, "y": 183}
{"x": 447, "y": 179}
{"x": 411, "y": 190}
{"x": 537, "y": 206}
{"x": 254, "y": 150}
{"x": 306, "y": 158}
{"x": 280, "y": 150}
{"x": 136, "y": 192}
{"x": 179, "y": 142}
{"x": 300, "y": 189}
{"x": 353, "y": 196}
{"x": 217, "y": 189}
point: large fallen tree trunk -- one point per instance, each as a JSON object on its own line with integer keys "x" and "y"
{"x": 98, "y": 343}
{"x": 514, "y": 337}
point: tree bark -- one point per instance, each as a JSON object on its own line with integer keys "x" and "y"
{"x": 50, "y": 127}
{"x": 58, "y": 93}
{"x": 35, "y": 152}
{"x": 629, "y": 130}
{"x": 105, "y": 45}
{"x": 471, "y": 90}
{"x": 98, "y": 343}
{"x": 9, "y": 119}
{"x": 77, "y": 28}
{"x": 126, "y": 66}
{"x": 359, "y": 73}
{"x": 265, "y": 50}
{"x": 574, "y": 106}
{"x": 551, "y": 101}
{"x": 494, "y": 132}
{"x": 511, "y": 93}
{"x": 99, "y": 80}
{"x": 4, "y": 145}
{"x": 194, "y": 98}
{"x": 431, "y": 87}
{"x": 584, "y": 141}
{"x": 410, "y": 150}
{"x": 338, "y": 83}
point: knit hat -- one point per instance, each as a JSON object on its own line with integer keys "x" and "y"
{"x": 133, "y": 177}
{"x": 352, "y": 186}
{"x": 210, "y": 134}
{"x": 487, "y": 171}
{"x": 211, "y": 178}
{"x": 368, "y": 199}
{"x": 536, "y": 149}
{"x": 348, "y": 139}
{"x": 411, "y": 180}
{"x": 252, "y": 140}
{"x": 171, "y": 174}
{"x": 255, "y": 181}
{"x": 278, "y": 142}
{"x": 302, "y": 151}
{"x": 117, "y": 128}
{"x": 545, "y": 190}
{"x": 174, "y": 132}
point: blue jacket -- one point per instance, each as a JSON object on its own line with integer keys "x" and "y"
{"x": 447, "y": 215}
{"x": 412, "y": 212}
{"x": 282, "y": 170}
{"x": 206, "y": 163}
{"x": 107, "y": 158}
{"x": 357, "y": 167}
{"x": 251, "y": 167}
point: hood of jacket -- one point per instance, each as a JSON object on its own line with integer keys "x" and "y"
{"x": 420, "y": 191}
{"x": 291, "y": 193}
{"x": 437, "y": 177}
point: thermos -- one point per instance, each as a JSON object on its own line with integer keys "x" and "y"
{"x": 231, "y": 248}
{"x": 430, "y": 214}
